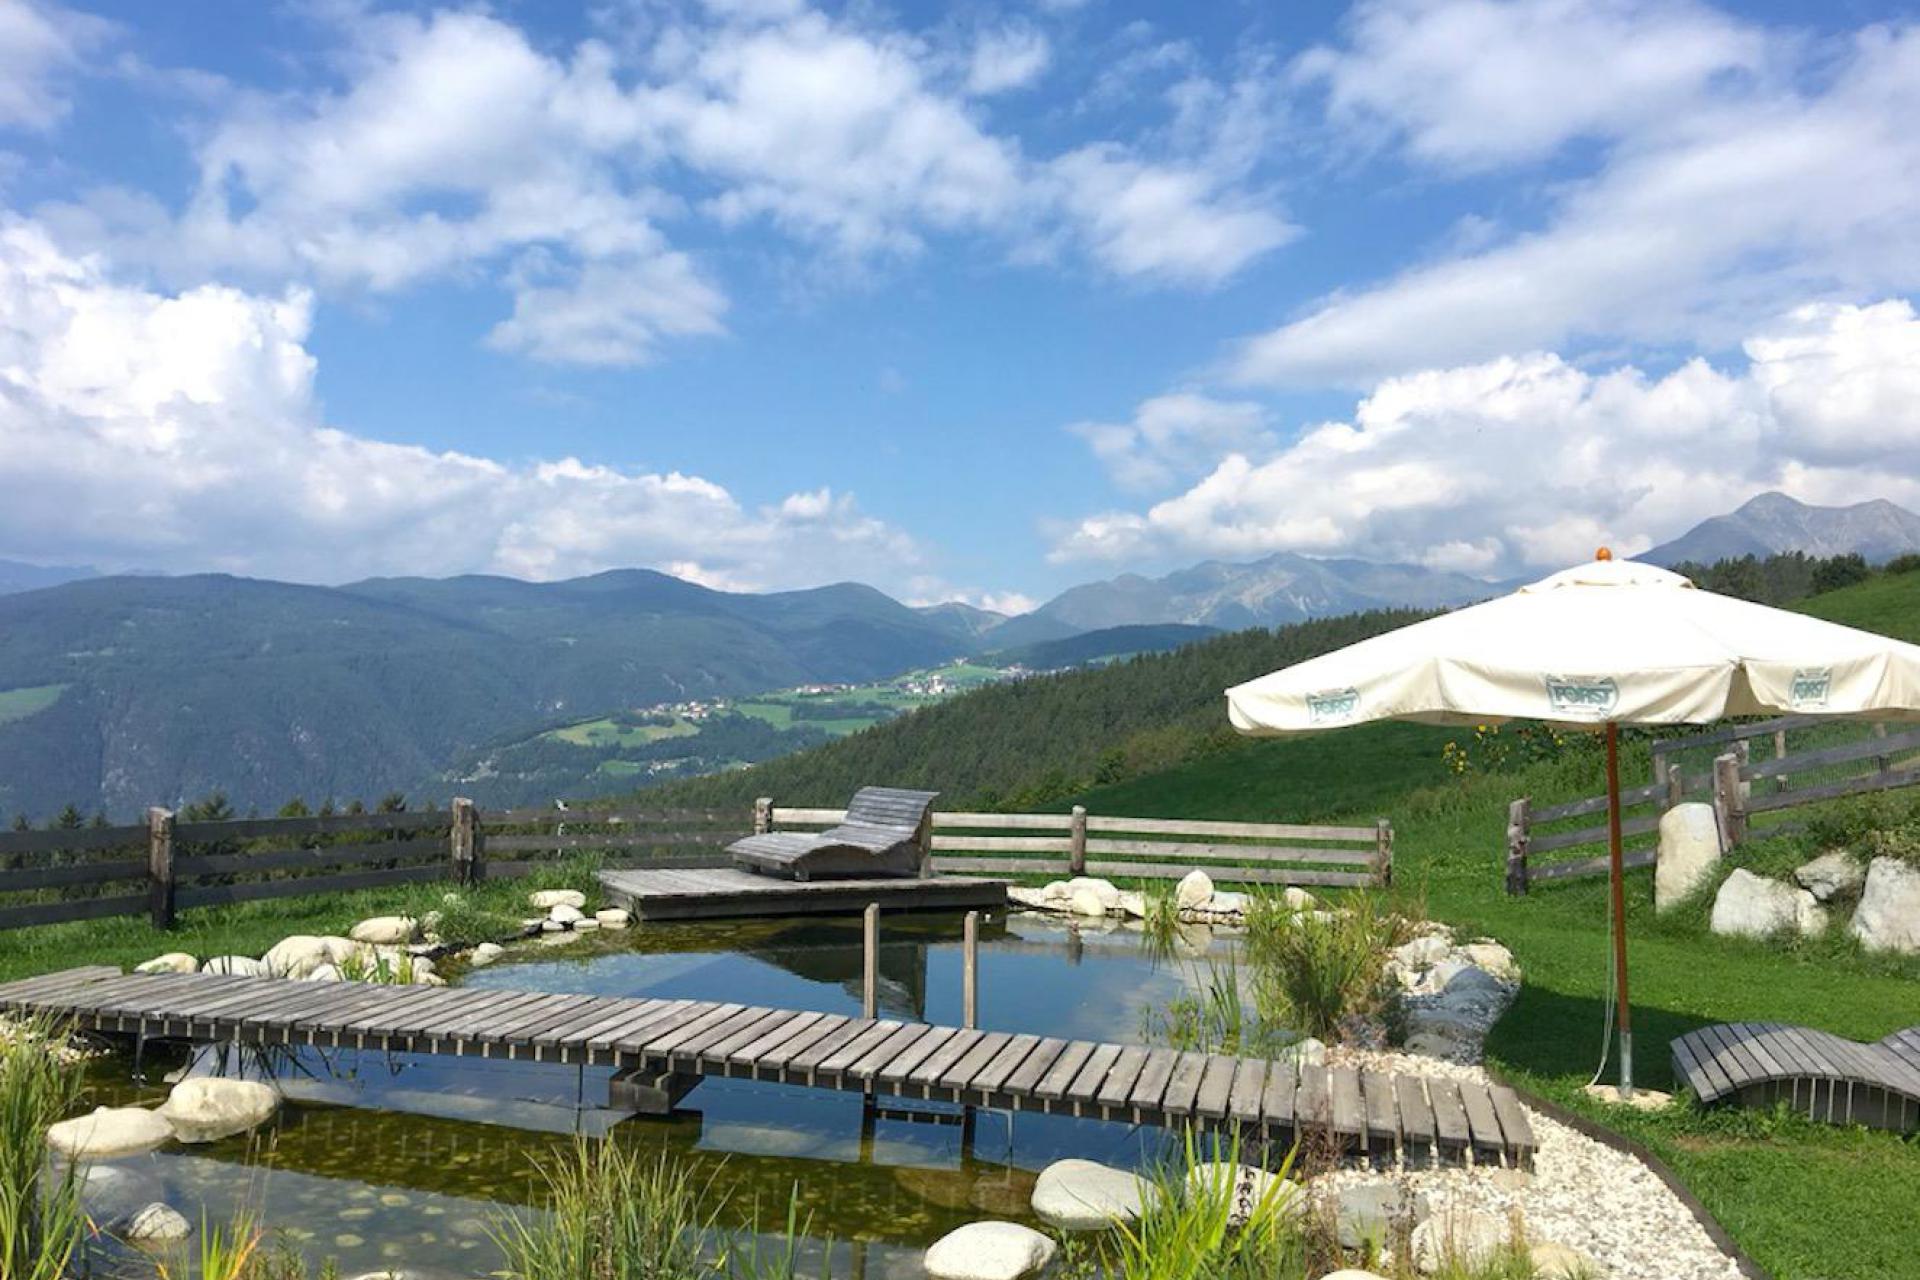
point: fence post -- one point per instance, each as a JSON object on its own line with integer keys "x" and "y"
{"x": 1728, "y": 802}
{"x": 970, "y": 972}
{"x": 1519, "y": 836}
{"x": 1881, "y": 764}
{"x": 1779, "y": 750}
{"x": 464, "y": 842}
{"x": 1382, "y": 864}
{"x": 763, "y": 815}
{"x": 1675, "y": 785}
{"x": 160, "y": 867}
{"x": 1077, "y": 842}
{"x": 870, "y": 962}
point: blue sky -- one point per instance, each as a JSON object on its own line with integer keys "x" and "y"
{"x": 971, "y": 301}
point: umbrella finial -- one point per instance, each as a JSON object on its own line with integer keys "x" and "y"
{"x": 1604, "y": 553}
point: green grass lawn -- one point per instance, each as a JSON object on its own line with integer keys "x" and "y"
{"x": 605, "y": 732}
{"x": 18, "y": 704}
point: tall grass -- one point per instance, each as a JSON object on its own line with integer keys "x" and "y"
{"x": 1313, "y": 970}
{"x": 41, "y": 1224}
{"x": 613, "y": 1216}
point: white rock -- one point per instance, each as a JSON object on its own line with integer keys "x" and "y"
{"x": 586, "y": 924}
{"x": 547, "y": 899}
{"x": 1225, "y": 902}
{"x": 613, "y": 917}
{"x": 1888, "y": 917}
{"x": 1348, "y": 1273}
{"x": 428, "y": 980}
{"x": 566, "y": 913}
{"x": 1417, "y": 953}
{"x": 112, "y": 1193}
{"x": 327, "y": 973}
{"x": 1056, "y": 891}
{"x": 1367, "y": 1211}
{"x": 1245, "y": 1186}
{"x": 1081, "y": 1195}
{"x": 207, "y": 1108}
{"x": 1463, "y": 1237}
{"x": 236, "y": 966}
{"x": 1558, "y": 1262}
{"x": 1102, "y": 889}
{"x": 553, "y": 926}
{"x": 1309, "y": 1052}
{"x": 1751, "y": 906}
{"x": 157, "y": 1224}
{"x": 385, "y": 931}
{"x": 1085, "y": 902}
{"x": 989, "y": 1251}
{"x": 1027, "y": 896}
{"x": 485, "y": 954}
{"x": 1133, "y": 904}
{"x": 110, "y": 1132}
{"x": 297, "y": 956}
{"x": 172, "y": 962}
{"x": 558, "y": 938}
{"x": 1297, "y": 899}
{"x": 1831, "y": 875}
{"x": 1493, "y": 958}
{"x": 1193, "y": 891}
{"x": 1688, "y": 852}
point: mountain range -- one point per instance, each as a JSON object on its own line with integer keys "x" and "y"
{"x": 120, "y": 692}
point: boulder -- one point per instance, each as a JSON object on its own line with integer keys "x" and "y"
{"x": 1688, "y": 852}
{"x": 1418, "y": 953}
{"x": 1102, "y": 889}
{"x": 208, "y": 1108}
{"x": 1133, "y": 904}
{"x": 1227, "y": 903}
{"x": 1751, "y": 906}
{"x": 1888, "y": 917}
{"x": 1493, "y": 958}
{"x": 485, "y": 954}
{"x": 614, "y": 918}
{"x": 586, "y": 923}
{"x": 989, "y": 1251}
{"x": 109, "y": 1133}
{"x": 1366, "y": 1211}
{"x": 1244, "y": 1186}
{"x": 157, "y": 1223}
{"x": 1296, "y": 899}
{"x": 297, "y": 956}
{"x": 1831, "y": 875}
{"x": 1464, "y": 1238}
{"x": 548, "y": 899}
{"x": 235, "y": 966}
{"x": 1085, "y": 902}
{"x": 566, "y": 914}
{"x": 1560, "y": 1262}
{"x": 1056, "y": 891}
{"x": 1021, "y": 895}
{"x": 172, "y": 962}
{"x": 326, "y": 973}
{"x": 1348, "y": 1273}
{"x": 1082, "y": 1195}
{"x": 385, "y": 931}
{"x": 1193, "y": 891}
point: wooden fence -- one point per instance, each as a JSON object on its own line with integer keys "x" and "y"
{"x": 165, "y": 866}
{"x": 1729, "y": 785}
{"x": 1080, "y": 843}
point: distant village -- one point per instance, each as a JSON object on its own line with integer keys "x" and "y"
{"x": 932, "y": 685}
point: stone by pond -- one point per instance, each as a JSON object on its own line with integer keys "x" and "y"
{"x": 110, "y": 1132}
{"x": 1083, "y": 1195}
{"x": 989, "y": 1251}
{"x": 206, "y": 1109}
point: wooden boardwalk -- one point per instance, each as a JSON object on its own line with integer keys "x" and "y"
{"x": 1361, "y": 1112}
{"x": 706, "y": 893}
{"x": 1828, "y": 1077}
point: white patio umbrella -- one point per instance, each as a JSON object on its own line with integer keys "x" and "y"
{"x": 1594, "y": 647}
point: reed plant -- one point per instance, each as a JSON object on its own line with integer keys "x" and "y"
{"x": 42, "y": 1228}
{"x": 221, "y": 1251}
{"x": 612, "y": 1215}
{"x": 1313, "y": 970}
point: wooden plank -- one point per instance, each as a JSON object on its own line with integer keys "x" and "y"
{"x": 1379, "y": 1108}
{"x": 901, "y": 1067}
{"x": 776, "y": 1023}
{"x": 1233, "y": 852}
{"x": 77, "y": 840}
{"x": 872, "y": 1035}
{"x": 1249, "y": 1084}
{"x": 803, "y": 1062}
{"x": 1449, "y": 1113}
{"x": 1118, "y": 1086}
{"x": 1349, "y": 1120}
{"x": 1216, "y": 1086}
{"x": 1416, "y": 1113}
{"x": 1086, "y": 1083}
{"x": 1062, "y": 1071}
{"x": 668, "y": 1038}
{"x": 609, "y": 1035}
{"x": 346, "y": 882}
{"x": 332, "y": 824}
{"x": 1012, "y": 1054}
{"x": 975, "y": 1060}
{"x": 1632, "y": 860}
{"x": 1155, "y": 1074}
{"x": 694, "y": 1047}
{"x": 999, "y": 821}
{"x": 315, "y": 858}
{"x": 1240, "y": 875}
{"x": 1833, "y": 791}
{"x": 1002, "y": 844}
{"x": 1244, "y": 830}
{"x": 1481, "y": 1121}
{"x": 25, "y": 878}
{"x": 1629, "y": 797}
{"x": 1183, "y": 1086}
{"x": 929, "y": 1071}
{"x": 1027, "y": 1075}
{"x": 1592, "y": 835}
{"x": 895, "y": 1047}
{"x": 1515, "y": 1130}
{"x": 1313, "y": 1098}
{"x": 1845, "y": 753}
{"x": 1001, "y": 866}
{"x": 632, "y": 837}
{"x": 1280, "y": 1094}
{"x": 825, "y": 1033}
{"x": 72, "y": 909}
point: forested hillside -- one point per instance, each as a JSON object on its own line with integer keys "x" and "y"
{"x": 1033, "y": 742}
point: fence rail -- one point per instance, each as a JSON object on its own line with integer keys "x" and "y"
{"x": 1145, "y": 848}
{"x": 1729, "y": 784}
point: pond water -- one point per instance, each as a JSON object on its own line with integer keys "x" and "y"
{"x": 395, "y": 1160}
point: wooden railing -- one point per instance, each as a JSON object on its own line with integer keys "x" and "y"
{"x": 1080, "y": 843}
{"x": 1729, "y": 785}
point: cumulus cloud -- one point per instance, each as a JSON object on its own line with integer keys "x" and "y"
{"x": 40, "y": 46}
{"x": 1532, "y": 460}
{"x": 180, "y": 430}
{"x": 1735, "y": 176}
{"x": 1174, "y": 437}
{"x": 1010, "y": 57}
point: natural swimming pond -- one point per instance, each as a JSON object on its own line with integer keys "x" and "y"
{"x": 394, "y": 1160}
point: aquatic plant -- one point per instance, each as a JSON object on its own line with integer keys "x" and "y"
{"x": 613, "y": 1216}
{"x": 41, "y": 1223}
{"x": 1160, "y": 923}
{"x": 1312, "y": 970}
{"x": 222, "y": 1251}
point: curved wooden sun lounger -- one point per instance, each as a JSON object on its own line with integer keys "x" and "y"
{"x": 1826, "y": 1076}
{"x": 884, "y": 834}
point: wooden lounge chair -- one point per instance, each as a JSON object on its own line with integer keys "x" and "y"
{"x": 885, "y": 834}
{"x": 1827, "y": 1077}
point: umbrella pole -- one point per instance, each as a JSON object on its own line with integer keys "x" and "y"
{"x": 1617, "y": 875}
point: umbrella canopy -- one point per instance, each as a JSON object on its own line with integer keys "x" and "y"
{"x": 1607, "y": 642}
{"x": 1595, "y": 646}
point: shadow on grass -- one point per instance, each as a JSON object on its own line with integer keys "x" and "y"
{"x": 1556, "y": 1036}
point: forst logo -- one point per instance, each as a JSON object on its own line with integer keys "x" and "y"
{"x": 1582, "y": 698}
{"x": 1810, "y": 687}
{"x": 1334, "y": 704}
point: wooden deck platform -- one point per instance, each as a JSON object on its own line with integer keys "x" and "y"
{"x": 1361, "y": 1112}
{"x": 1827, "y": 1077}
{"x": 707, "y": 893}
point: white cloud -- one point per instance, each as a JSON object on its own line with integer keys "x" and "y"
{"x": 40, "y": 45}
{"x": 1174, "y": 437}
{"x": 1530, "y": 460}
{"x": 1695, "y": 225}
{"x": 1010, "y": 57}
{"x": 180, "y": 431}
{"x": 608, "y": 312}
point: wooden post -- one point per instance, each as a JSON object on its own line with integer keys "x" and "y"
{"x": 1077, "y": 842}
{"x": 1519, "y": 836}
{"x": 923, "y": 835}
{"x": 1882, "y": 764}
{"x": 1779, "y": 750}
{"x": 870, "y": 962}
{"x": 1382, "y": 864}
{"x": 160, "y": 867}
{"x": 970, "y": 972}
{"x": 1728, "y": 802}
{"x": 763, "y": 815}
{"x": 463, "y": 841}
{"x": 1676, "y": 781}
